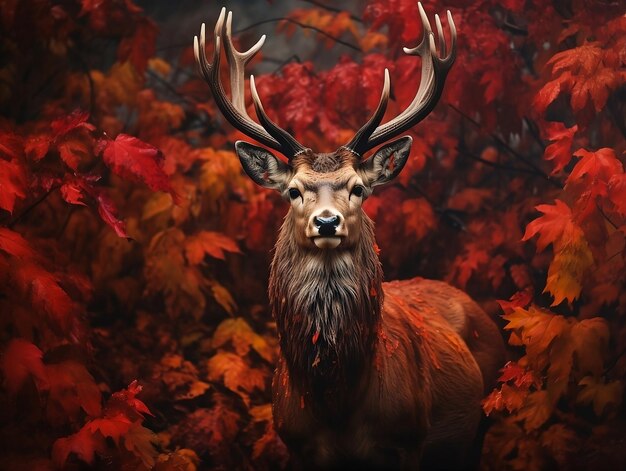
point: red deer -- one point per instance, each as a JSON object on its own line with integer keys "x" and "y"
{"x": 370, "y": 374}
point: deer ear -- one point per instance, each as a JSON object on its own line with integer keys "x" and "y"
{"x": 387, "y": 163}
{"x": 261, "y": 165}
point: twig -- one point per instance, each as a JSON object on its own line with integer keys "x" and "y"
{"x": 333, "y": 9}
{"x": 30, "y": 207}
{"x": 508, "y": 148}
{"x": 497, "y": 165}
{"x": 613, "y": 363}
{"x": 532, "y": 129}
{"x": 170, "y": 88}
{"x": 605, "y": 216}
{"x": 303, "y": 26}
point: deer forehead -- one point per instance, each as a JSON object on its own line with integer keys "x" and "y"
{"x": 325, "y": 183}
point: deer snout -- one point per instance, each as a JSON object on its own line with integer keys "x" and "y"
{"x": 326, "y": 226}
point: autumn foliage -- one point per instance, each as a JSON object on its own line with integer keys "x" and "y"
{"x": 134, "y": 252}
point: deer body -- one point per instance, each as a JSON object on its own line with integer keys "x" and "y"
{"x": 370, "y": 374}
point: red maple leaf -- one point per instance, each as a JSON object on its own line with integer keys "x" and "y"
{"x": 136, "y": 160}
{"x": 12, "y": 183}
{"x": 559, "y": 151}
{"x": 551, "y": 227}
{"x": 21, "y": 360}
{"x": 140, "y": 46}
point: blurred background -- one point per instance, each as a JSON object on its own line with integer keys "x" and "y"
{"x": 134, "y": 252}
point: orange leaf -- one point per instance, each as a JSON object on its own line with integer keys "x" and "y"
{"x": 555, "y": 225}
{"x": 209, "y": 243}
{"x": 237, "y": 375}
{"x": 239, "y": 333}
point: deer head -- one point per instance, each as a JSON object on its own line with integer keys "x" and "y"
{"x": 325, "y": 190}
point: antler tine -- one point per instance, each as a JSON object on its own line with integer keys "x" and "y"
{"x": 283, "y": 137}
{"x": 376, "y": 118}
{"x": 434, "y": 72}
{"x": 234, "y": 110}
{"x": 237, "y": 61}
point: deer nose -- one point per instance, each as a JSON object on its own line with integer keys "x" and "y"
{"x": 327, "y": 226}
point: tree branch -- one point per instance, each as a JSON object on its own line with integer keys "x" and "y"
{"x": 303, "y": 26}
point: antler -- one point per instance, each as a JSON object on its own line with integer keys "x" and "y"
{"x": 434, "y": 72}
{"x": 268, "y": 133}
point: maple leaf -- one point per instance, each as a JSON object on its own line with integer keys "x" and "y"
{"x": 555, "y": 225}
{"x": 209, "y": 243}
{"x": 84, "y": 444}
{"x": 602, "y": 395}
{"x": 522, "y": 377}
{"x": 240, "y": 335}
{"x": 72, "y": 193}
{"x": 223, "y": 297}
{"x": 14, "y": 244}
{"x": 13, "y": 183}
{"x": 136, "y": 160}
{"x": 588, "y": 73}
{"x": 419, "y": 217}
{"x": 108, "y": 213}
{"x": 598, "y": 166}
{"x": 617, "y": 192}
{"x": 561, "y": 442}
{"x": 72, "y": 388}
{"x": 590, "y": 340}
{"x": 139, "y": 47}
{"x": 559, "y": 150}
{"x": 77, "y": 119}
{"x": 46, "y": 295}
{"x": 468, "y": 263}
{"x": 128, "y": 397}
{"x": 11, "y": 145}
{"x": 21, "y": 360}
{"x": 140, "y": 441}
{"x": 566, "y": 270}
{"x": 168, "y": 274}
{"x": 236, "y": 374}
{"x": 112, "y": 427}
{"x": 209, "y": 430}
{"x": 536, "y": 411}
{"x": 180, "y": 377}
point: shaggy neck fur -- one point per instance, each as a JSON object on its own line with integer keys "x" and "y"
{"x": 327, "y": 307}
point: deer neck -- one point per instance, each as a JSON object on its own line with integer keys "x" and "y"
{"x": 327, "y": 307}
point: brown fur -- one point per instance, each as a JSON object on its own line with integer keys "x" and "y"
{"x": 394, "y": 372}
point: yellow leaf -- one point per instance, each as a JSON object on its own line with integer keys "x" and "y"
{"x": 566, "y": 271}
{"x": 236, "y": 374}
{"x": 223, "y": 297}
{"x": 262, "y": 413}
{"x": 239, "y": 333}
{"x": 160, "y": 66}
{"x": 372, "y": 40}
{"x": 537, "y": 328}
{"x": 157, "y": 204}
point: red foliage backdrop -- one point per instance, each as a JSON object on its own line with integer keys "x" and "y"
{"x": 134, "y": 253}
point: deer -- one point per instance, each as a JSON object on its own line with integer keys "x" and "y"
{"x": 370, "y": 374}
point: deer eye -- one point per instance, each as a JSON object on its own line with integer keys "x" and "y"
{"x": 294, "y": 193}
{"x": 357, "y": 191}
